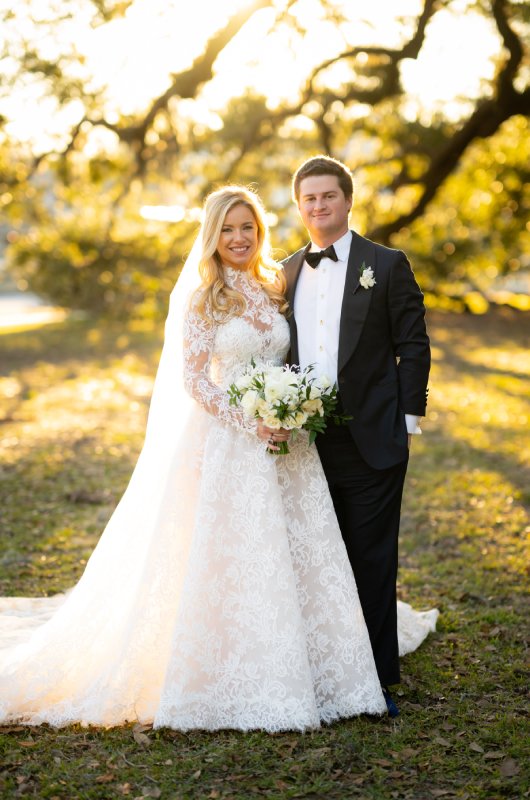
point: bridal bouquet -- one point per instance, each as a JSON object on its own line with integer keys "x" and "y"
{"x": 286, "y": 397}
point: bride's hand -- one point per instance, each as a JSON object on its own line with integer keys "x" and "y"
{"x": 272, "y": 435}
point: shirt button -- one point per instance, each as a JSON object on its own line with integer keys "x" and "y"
{"x": 321, "y": 348}
{"x": 321, "y": 321}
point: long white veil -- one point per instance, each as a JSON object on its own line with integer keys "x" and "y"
{"x": 88, "y": 637}
{"x": 170, "y": 403}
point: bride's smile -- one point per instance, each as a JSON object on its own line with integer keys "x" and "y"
{"x": 238, "y": 243}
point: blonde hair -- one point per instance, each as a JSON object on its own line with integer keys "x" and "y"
{"x": 214, "y": 296}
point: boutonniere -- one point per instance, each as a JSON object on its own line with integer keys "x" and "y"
{"x": 366, "y": 278}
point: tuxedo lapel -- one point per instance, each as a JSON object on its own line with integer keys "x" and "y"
{"x": 292, "y": 269}
{"x": 356, "y": 300}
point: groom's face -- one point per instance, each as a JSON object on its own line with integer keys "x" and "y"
{"x": 324, "y": 209}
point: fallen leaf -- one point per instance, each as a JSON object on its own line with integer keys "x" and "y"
{"x": 509, "y": 768}
{"x": 494, "y": 754}
{"x": 441, "y": 741}
{"x": 139, "y": 728}
{"x": 320, "y": 751}
{"x": 197, "y": 774}
{"x": 106, "y": 778}
{"x": 476, "y": 747}
{"x": 441, "y": 792}
{"x": 141, "y": 738}
{"x": 151, "y": 791}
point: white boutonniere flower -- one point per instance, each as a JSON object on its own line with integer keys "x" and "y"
{"x": 367, "y": 279}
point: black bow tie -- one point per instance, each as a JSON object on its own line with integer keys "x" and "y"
{"x": 314, "y": 259}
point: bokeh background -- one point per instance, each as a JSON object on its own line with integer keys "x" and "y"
{"x": 117, "y": 118}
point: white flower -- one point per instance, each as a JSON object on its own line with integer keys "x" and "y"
{"x": 323, "y": 382}
{"x": 367, "y": 279}
{"x": 273, "y": 391}
{"x": 271, "y": 421}
{"x": 313, "y": 406}
{"x": 243, "y": 382}
{"x": 299, "y": 419}
{"x": 249, "y": 402}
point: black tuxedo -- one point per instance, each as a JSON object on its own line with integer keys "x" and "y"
{"x": 377, "y": 326}
{"x": 383, "y": 368}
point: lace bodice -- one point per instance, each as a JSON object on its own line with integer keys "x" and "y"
{"x": 217, "y": 352}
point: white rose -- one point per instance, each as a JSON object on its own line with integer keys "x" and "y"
{"x": 313, "y": 407}
{"x": 367, "y": 279}
{"x": 299, "y": 419}
{"x": 243, "y": 382}
{"x": 273, "y": 390}
{"x": 249, "y": 402}
{"x": 263, "y": 408}
{"x": 324, "y": 382}
{"x": 272, "y": 422}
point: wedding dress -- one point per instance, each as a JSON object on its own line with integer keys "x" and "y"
{"x": 224, "y": 599}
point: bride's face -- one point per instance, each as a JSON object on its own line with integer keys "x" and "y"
{"x": 238, "y": 242}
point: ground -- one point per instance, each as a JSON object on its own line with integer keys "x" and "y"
{"x": 74, "y": 401}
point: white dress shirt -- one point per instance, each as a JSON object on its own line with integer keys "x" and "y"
{"x": 317, "y": 307}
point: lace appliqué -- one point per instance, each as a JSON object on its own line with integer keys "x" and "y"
{"x": 216, "y": 352}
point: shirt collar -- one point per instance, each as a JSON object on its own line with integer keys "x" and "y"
{"x": 342, "y": 246}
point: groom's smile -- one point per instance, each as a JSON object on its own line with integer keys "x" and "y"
{"x": 324, "y": 208}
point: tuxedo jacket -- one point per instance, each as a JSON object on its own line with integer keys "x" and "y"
{"x": 384, "y": 355}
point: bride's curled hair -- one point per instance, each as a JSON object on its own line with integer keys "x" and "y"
{"x": 214, "y": 296}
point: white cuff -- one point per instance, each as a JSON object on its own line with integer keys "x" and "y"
{"x": 412, "y": 423}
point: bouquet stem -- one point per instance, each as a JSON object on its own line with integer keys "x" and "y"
{"x": 283, "y": 451}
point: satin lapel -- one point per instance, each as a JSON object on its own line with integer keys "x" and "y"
{"x": 356, "y": 300}
{"x": 292, "y": 271}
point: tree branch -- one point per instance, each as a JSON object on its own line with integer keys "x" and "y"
{"x": 485, "y": 120}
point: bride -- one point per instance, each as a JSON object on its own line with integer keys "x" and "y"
{"x": 220, "y": 594}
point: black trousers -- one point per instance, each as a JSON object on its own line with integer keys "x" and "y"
{"x": 368, "y": 505}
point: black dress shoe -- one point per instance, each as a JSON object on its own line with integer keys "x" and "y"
{"x": 393, "y": 710}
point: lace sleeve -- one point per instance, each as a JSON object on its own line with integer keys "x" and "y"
{"x": 198, "y": 338}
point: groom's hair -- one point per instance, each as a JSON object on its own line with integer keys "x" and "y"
{"x": 323, "y": 165}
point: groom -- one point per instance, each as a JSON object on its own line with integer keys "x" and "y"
{"x": 358, "y": 316}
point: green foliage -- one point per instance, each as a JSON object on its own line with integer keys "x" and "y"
{"x": 84, "y": 269}
{"x": 76, "y": 193}
{"x": 473, "y": 232}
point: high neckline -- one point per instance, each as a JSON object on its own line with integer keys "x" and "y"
{"x": 234, "y": 274}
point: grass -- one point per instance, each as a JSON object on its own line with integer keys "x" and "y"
{"x": 74, "y": 401}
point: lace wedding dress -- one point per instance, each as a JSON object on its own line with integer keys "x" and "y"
{"x": 232, "y": 606}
